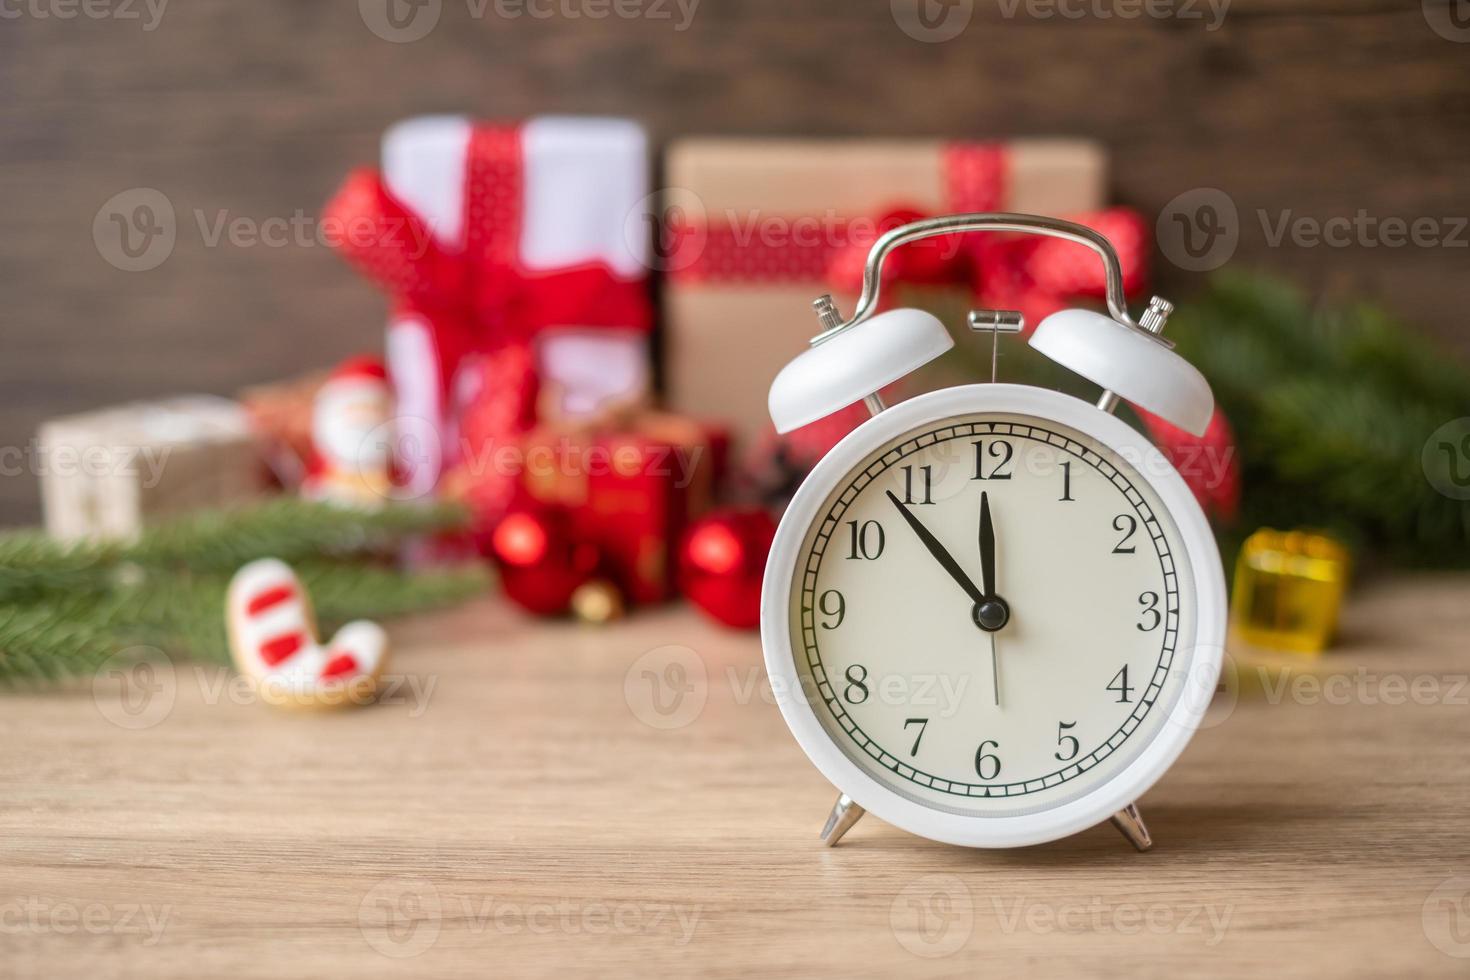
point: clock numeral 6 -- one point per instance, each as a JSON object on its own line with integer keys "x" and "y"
{"x": 1119, "y": 684}
{"x": 1000, "y": 453}
{"x": 856, "y": 691}
{"x": 1150, "y": 603}
{"x": 1128, "y": 525}
{"x": 867, "y": 540}
{"x": 832, "y": 604}
{"x": 987, "y": 764}
{"x": 1067, "y": 741}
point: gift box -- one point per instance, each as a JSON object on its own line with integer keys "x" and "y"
{"x": 754, "y": 230}
{"x": 513, "y": 254}
{"x": 1288, "y": 590}
{"x": 280, "y": 414}
{"x": 106, "y": 474}
{"x": 631, "y": 486}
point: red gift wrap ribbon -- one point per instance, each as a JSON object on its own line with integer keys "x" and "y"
{"x": 480, "y": 300}
{"x": 1037, "y": 276}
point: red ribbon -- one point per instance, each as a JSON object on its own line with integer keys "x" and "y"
{"x": 481, "y": 299}
{"x": 1035, "y": 275}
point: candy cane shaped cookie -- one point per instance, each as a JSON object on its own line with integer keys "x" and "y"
{"x": 273, "y": 641}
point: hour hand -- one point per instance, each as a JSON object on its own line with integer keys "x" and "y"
{"x": 945, "y": 559}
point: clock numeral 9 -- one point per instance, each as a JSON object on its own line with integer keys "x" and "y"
{"x": 836, "y": 608}
{"x": 1068, "y": 741}
{"x": 1128, "y": 525}
{"x": 856, "y": 691}
{"x": 867, "y": 541}
{"x": 1119, "y": 684}
{"x": 908, "y": 485}
{"x": 1000, "y": 453}
{"x": 1150, "y": 603}
{"x": 987, "y": 764}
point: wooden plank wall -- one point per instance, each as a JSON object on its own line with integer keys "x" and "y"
{"x": 255, "y": 109}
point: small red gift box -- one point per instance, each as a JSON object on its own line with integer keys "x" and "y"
{"x": 631, "y": 487}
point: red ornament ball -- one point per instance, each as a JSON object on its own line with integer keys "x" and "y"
{"x": 541, "y": 562}
{"x": 722, "y": 562}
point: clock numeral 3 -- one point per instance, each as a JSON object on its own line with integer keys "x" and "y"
{"x": 1067, "y": 741}
{"x": 867, "y": 541}
{"x": 999, "y": 453}
{"x": 838, "y": 610}
{"x": 1128, "y": 525}
{"x": 923, "y": 723}
{"x": 1150, "y": 603}
{"x": 987, "y": 764}
{"x": 908, "y": 485}
{"x": 856, "y": 691}
{"x": 1119, "y": 684}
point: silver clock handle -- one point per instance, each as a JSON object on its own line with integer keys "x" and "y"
{"x": 1025, "y": 224}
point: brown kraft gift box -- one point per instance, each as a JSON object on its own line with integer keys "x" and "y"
{"x": 754, "y": 229}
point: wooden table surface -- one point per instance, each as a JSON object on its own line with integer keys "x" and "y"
{"x": 522, "y": 804}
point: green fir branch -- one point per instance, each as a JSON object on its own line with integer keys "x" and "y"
{"x": 64, "y": 610}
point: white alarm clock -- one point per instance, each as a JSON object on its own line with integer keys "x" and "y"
{"x": 993, "y": 614}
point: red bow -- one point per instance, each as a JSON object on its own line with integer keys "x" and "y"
{"x": 480, "y": 299}
{"x": 1035, "y": 275}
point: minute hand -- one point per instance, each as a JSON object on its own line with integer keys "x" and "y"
{"x": 936, "y": 549}
{"x": 987, "y": 547}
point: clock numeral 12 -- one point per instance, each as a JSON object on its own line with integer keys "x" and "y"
{"x": 908, "y": 485}
{"x": 1000, "y": 452}
{"x": 867, "y": 540}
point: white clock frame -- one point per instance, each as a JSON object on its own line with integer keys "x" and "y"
{"x": 1205, "y": 648}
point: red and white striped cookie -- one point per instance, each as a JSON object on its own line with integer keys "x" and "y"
{"x": 273, "y": 640}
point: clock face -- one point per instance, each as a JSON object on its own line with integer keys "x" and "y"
{"x": 986, "y": 614}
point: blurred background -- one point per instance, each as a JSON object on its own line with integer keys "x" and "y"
{"x": 1301, "y": 109}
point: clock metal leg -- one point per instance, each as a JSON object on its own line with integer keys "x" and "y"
{"x": 844, "y": 814}
{"x": 1130, "y": 824}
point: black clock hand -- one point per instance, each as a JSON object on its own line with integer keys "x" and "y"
{"x": 991, "y": 611}
{"x": 987, "y": 547}
{"x": 937, "y": 550}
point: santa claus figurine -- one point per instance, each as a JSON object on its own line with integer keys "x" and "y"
{"x": 352, "y": 435}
